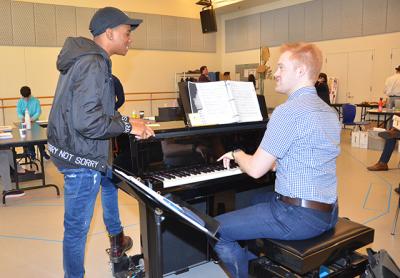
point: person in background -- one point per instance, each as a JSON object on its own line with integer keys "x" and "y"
{"x": 227, "y": 75}
{"x": 119, "y": 92}
{"x": 305, "y": 160}
{"x": 28, "y": 102}
{"x": 6, "y": 165}
{"x": 33, "y": 105}
{"x": 392, "y": 88}
{"x": 390, "y": 136}
{"x": 252, "y": 78}
{"x": 322, "y": 87}
{"x": 82, "y": 121}
{"x": 204, "y": 74}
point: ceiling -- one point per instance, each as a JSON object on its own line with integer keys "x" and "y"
{"x": 229, "y": 6}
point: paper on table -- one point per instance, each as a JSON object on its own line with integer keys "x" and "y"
{"x": 6, "y": 135}
{"x": 5, "y": 128}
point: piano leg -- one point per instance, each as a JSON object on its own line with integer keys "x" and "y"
{"x": 151, "y": 240}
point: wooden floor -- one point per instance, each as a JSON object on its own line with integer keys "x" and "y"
{"x": 31, "y": 227}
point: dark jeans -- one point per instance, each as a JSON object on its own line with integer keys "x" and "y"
{"x": 30, "y": 150}
{"x": 388, "y": 149}
{"x": 267, "y": 218}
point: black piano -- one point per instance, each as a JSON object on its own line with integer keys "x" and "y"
{"x": 181, "y": 161}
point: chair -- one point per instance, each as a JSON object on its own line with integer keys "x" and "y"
{"x": 397, "y": 190}
{"x": 349, "y": 114}
{"x": 333, "y": 250}
{"x": 27, "y": 158}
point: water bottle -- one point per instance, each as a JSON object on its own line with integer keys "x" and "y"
{"x": 27, "y": 119}
{"x": 380, "y": 105}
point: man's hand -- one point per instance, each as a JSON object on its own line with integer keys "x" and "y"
{"x": 226, "y": 159}
{"x": 140, "y": 129}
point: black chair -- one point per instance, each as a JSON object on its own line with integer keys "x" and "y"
{"x": 396, "y": 216}
{"x": 334, "y": 249}
{"x": 27, "y": 158}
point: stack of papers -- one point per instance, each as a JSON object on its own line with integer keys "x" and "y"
{"x": 6, "y": 135}
{"x": 5, "y": 128}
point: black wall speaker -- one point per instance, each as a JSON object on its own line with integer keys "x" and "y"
{"x": 208, "y": 21}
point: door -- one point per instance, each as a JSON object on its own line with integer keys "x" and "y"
{"x": 359, "y": 84}
{"x": 395, "y": 57}
{"x": 354, "y": 73}
{"x": 336, "y": 66}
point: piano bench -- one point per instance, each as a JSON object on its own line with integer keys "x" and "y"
{"x": 305, "y": 257}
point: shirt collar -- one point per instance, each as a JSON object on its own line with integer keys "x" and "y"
{"x": 302, "y": 91}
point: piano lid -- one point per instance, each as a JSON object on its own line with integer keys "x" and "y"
{"x": 178, "y": 129}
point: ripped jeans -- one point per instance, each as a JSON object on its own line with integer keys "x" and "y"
{"x": 268, "y": 217}
{"x": 81, "y": 186}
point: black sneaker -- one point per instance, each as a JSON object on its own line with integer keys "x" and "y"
{"x": 13, "y": 193}
{"x": 46, "y": 156}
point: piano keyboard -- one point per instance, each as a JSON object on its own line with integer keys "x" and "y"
{"x": 176, "y": 177}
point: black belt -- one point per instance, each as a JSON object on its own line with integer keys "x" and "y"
{"x": 307, "y": 204}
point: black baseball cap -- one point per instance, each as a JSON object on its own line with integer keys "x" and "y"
{"x": 110, "y": 17}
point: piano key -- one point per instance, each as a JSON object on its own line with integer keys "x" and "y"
{"x": 196, "y": 174}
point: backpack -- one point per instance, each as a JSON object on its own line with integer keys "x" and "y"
{"x": 380, "y": 265}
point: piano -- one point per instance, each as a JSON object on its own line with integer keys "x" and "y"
{"x": 182, "y": 161}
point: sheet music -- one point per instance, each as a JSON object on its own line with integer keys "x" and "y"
{"x": 4, "y": 128}
{"x": 217, "y": 106}
{"x": 246, "y": 101}
{"x": 6, "y": 135}
{"x": 183, "y": 212}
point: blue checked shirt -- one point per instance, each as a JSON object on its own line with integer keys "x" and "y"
{"x": 304, "y": 135}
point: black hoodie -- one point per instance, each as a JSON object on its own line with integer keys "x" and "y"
{"x": 82, "y": 117}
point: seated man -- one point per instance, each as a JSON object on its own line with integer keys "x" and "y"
{"x": 6, "y": 161}
{"x": 33, "y": 105}
{"x": 390, "y": 137}
{"x": 302, "y": 138}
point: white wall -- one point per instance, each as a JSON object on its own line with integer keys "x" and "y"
{"x": 381, "y": 45}
{"x": 139, "y": 70}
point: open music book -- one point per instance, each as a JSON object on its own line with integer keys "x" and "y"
{"x": 200, "y": 221}
{"x": 224, "y": 102}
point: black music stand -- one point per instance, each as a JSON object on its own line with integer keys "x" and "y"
{"x": 154, "y": 209}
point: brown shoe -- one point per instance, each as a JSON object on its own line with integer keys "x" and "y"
{"x": 390, "y": 134}
{"x": 380, "y": 166}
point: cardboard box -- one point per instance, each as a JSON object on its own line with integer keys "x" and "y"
{"x": 374, "y": 141}
{"x": 355, "y": 139}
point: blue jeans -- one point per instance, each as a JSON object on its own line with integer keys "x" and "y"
{"x": 80, "y": 191}
{"x": 267, "y": 218}
{"x": 388, "y": 149}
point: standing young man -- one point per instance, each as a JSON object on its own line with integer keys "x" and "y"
{"x": 81, "y": 122}
{"x": 302, "y": 139}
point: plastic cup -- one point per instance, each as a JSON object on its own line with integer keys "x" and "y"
{"x": 22, "y": 132}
